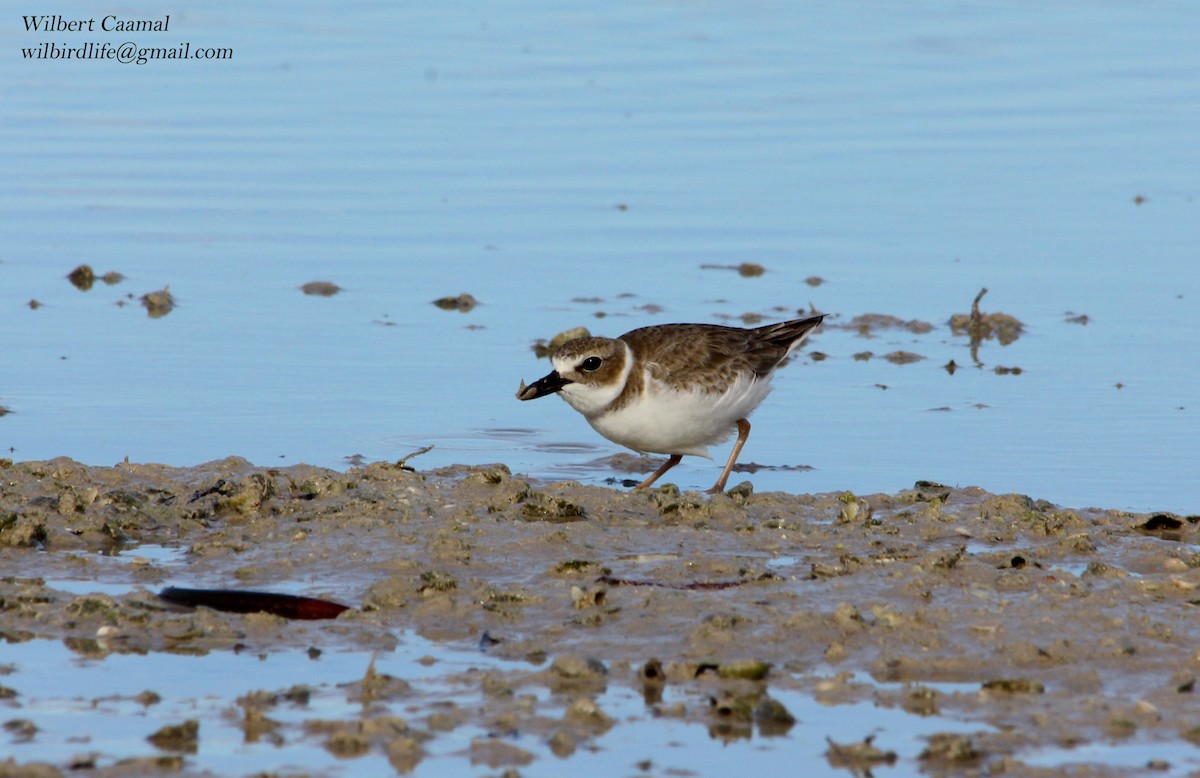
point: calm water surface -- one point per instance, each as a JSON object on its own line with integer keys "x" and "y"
{"x": 537, "y": 155}
{"x": 560, "y": 161}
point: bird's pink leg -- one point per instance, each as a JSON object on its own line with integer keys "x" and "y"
{"x": 743, "y": 433}
{"x": 671, "y": 462}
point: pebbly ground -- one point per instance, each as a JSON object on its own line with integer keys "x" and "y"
{"x": 1045, "y": 625}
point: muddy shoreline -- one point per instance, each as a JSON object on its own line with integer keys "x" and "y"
{"x": 1056, "y": 626}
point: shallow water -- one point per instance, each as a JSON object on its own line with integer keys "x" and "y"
{"x": 532, "y": 156}
{"x": 87, "y": 705}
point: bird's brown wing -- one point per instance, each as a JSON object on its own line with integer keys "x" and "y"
{"x": 710, "y": 356}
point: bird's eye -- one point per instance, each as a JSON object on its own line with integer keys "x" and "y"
{"x": 591, "y": 364}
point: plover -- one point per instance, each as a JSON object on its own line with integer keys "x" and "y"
{"x": 672, "y": 389}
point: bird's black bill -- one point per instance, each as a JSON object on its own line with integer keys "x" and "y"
{"x": 542, "y": 387}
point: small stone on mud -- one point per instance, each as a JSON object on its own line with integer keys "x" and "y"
{"x": 580, "y": 567}
{"x": 345, "y": 744}
{"x": 575, "y": 666}
{"x": 591, "y": 597}
{"x": 584, "y": 710}
{"x": 437, "y": 581}
{"x": 1014, "y": 686}
{"x": 178, "y": 737}
{"x": 772, "y": 717}
{"x": 321, "y": 288}
{"x": 858, "y": 758}
{"x": 950, "y": 747}
{"x": 731, "y": 705}
{"x": 921, "y": 700}
{"x": 562, "y": 744}
{"x": 404, "y": 753}
{"x": 750, "y": 670}
{"x": 497, "y": 753}
{"x": 540, "y": 506}
{"x": 1160, "y": 522}
{"x": 652, "y": 672}
{"x": 742, "y": 491}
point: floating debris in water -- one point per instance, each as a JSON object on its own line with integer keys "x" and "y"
{"x": 543, "y": 349}
{"x": 158, "y": 304}
{"x": 463, "y": 303}
{"x": 745, "y": 269}
{"x": 34, "y": 305}
{"x": 950, "y": 367}
{"x": 814, "y": 280}
{"x": 866, "y": 324}
{"x": 980, "y": 326}
{"x": 1077, "y": 318}
{"x": 82, "y": 277}
{"x": 321, "y": 288}
{"x": 902, "y": 357}
{"x": 287, "y": 606}
{"x": 1002, "y": 370}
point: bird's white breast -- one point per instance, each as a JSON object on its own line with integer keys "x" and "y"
{"x": 664, "y": 420}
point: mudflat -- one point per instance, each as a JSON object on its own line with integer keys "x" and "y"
{"x": 1047, "y": 626}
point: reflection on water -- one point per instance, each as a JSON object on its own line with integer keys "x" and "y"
{"x": 78, "y": 692}
{"x": 101, "y": 696}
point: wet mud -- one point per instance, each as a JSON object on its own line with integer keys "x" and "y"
{"x": 1046, "y": 626}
